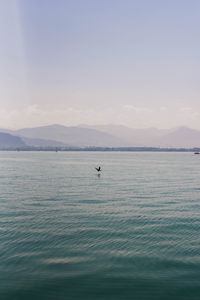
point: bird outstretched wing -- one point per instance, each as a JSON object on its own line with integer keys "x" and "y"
{"x": 98, "y": 169}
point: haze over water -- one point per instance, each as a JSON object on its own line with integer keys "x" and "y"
{"x": 132, "y": 233}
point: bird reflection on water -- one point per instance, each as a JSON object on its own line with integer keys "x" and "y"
{"x": 98, "y": 171}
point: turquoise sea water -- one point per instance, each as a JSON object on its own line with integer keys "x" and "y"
{"x": 67, "y": 234}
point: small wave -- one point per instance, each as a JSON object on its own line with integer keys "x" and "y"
{"x": 65, "y": 260}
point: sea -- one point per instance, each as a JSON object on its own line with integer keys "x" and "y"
{"x": 67, "y": 233}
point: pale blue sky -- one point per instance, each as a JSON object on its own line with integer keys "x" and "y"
{"x": 131, "y": 62}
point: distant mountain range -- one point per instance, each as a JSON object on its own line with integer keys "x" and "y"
{"x": 99, "y": 136}
{"x": 152, "y": 137}
{"x": 10, "y": 141}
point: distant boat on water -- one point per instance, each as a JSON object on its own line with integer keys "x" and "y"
{"x": 196, "y": 152}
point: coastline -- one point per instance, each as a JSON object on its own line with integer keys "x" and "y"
{"x": 101, "y": 149}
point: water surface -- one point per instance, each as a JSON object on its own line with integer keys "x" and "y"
{"x": 132, "y": 233}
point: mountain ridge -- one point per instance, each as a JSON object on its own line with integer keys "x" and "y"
{"x": 8, "y": 140}
{"x": 106, "y": 136}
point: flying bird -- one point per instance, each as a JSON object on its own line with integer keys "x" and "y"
{"x": 98, "y": 169}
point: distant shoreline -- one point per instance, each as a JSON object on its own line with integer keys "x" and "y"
{"x": 101, "y": 149}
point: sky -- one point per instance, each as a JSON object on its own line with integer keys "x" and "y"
{"x": 71, "y": 62}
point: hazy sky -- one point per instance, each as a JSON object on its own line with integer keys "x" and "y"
{"x": 131, "y": 62}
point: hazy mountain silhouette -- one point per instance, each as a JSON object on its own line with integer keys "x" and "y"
{"x": 153, "y": 137}
{"x": 134, "y": 136}
{"x": 181, "y": 137}
{"x": 107, "y": 136}
{"x": 74, "y": 136}
{"x": 10, "y": 141}
{"x": 34, "y": 142}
